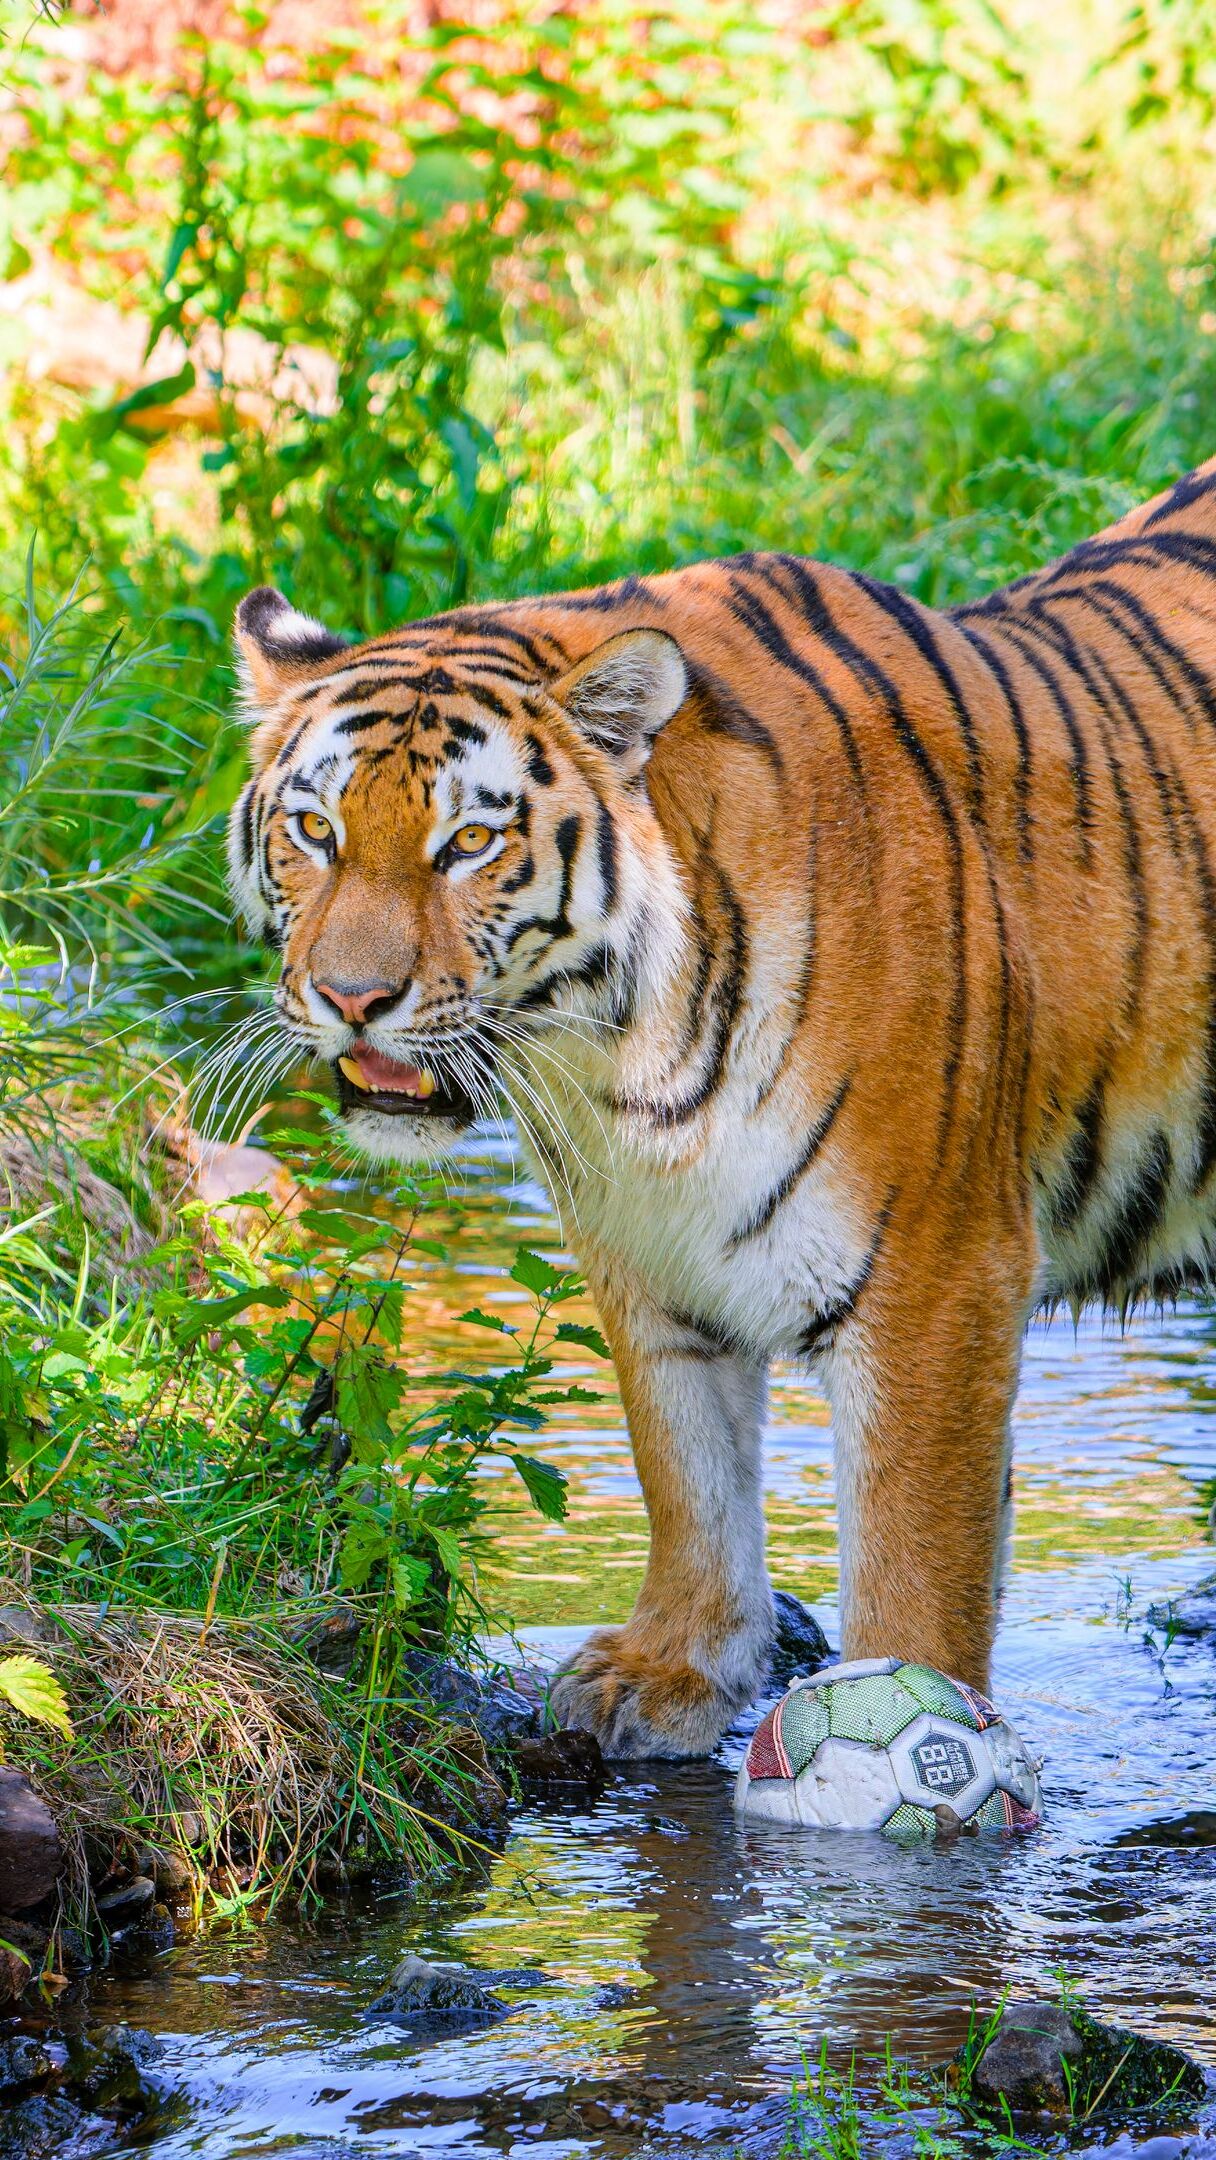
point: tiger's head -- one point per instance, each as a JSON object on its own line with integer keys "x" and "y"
{"x": 447, "y": 839}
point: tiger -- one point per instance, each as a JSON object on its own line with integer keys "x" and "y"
{"x": 848, "y": 966}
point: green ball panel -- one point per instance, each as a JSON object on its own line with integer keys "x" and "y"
{"x": 911, "y": 1825}
{"x": 934, "y": 1692}
{"x": 874, "y": 1708}
{"x": 992, "y": 1815}
{"x": 804, "y": 1723}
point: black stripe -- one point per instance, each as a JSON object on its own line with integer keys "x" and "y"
{"x": 1082, "y": 1159}
{"x": 720, "y": 712}
{"x": 1139, "y": 1217}
{"x": 781, "y": 1191}
{"x": 1192, "y": 487}
{"x": 1151, "y": 645}
{"x": 917, "y": 626}
{"x": 606, "y": 598}
{"x": 1074, "y": 658}
{"x": 725, "y": 999}
{"x": 749, "y": 610}
{"x": 606, "y": 849}
{"x": 1021, "y": 635}
{"x": 996, "y": 667}
{"x": 539, "y": 768}
{"x": 842, "y": 1307}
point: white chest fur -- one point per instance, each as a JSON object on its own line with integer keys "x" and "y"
{"x": 688, "y": 1213}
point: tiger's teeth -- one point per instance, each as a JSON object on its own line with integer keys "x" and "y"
{"x": 354, "y": 1074}
{"x": 426, "y": 1084}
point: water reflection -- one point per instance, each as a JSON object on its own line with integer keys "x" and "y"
{"x": 694, "y": 1961}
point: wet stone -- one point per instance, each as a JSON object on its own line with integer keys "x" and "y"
{"x": 500, "y": 1714}
{"x": 127, "y": 1906}
{"x": 24, "y": 2063}
{"x": 115, "y": 2068}
{"x": 799, "y": 1643}
{"x": 1044, "y": 2058}
{"x": 48, "y": 2126}
{"x": 561, "y": 1763}
{"x": 30, "y": 1851}
{"x": 429, "y": 1999}
{"x": 1192, "y": 1614}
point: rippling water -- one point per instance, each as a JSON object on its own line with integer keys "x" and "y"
{"x": 694, "y": 1962}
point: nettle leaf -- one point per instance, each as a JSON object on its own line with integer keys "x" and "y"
{"x": 410, "y": 1578}
{"x": 368, "y": 1389}
{"x": 195, "y": 1321}
{"x": 390, "y": 1313}
{"x": 535, "y": 1273}
{"x": 589, "y": 1337}
{"x": 477, "y": 1318}
{"x": 546, "y": 1486}
{"x": 29, "y": 1686}
{"x": 448, "y": 1548}
{"x": 365, "y": 1545}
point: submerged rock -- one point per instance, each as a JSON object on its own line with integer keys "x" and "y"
{"x": 1054, "y": 2058}
{"x": 560, "y": 1765}
{"x": 31, "y": 1854}
{"x": 51, "y": 2108}
{"x": 115, "y": 2068}
{"x": 799, "y": 1643}
{"x": 1192, "y": 1613}
{"x": 427, "y": 1998}
{"x": 24, "y": 2063}
{"x": 127, "y": 1906}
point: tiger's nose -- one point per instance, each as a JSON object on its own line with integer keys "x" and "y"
{"x": 361, "y": 1002}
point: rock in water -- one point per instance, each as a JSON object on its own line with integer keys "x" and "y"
{"x": 426, "y": 1998}
{"x": 1049, "y": 2058}
{"x": 30, "y": 1852}
{"x": 562, "y": 1765}
{"x": 799, "y": 1643}
{"x": 126, "y": 1906}
{"x": 1192, "y": 1614}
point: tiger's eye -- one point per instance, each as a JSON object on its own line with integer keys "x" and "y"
{"x": 314, "y": 826}
{"x": 472, "y": 839}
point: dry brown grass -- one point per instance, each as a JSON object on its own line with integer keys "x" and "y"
{"x": 226, "y": 1744}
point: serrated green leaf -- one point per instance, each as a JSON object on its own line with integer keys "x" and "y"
{"x": 546, "y": 1486}
{"x": 589, "y": 1337}
{"x": 448, "y": 1548}
{"x": 477, "y": 1318}
{"x": 30, "y": 1687}
{"x": 535, "y": 1273}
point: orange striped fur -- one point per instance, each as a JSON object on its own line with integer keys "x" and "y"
{"x": 851, "y": 969}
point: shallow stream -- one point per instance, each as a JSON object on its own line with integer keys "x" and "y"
{"x": 694, "y": 1963}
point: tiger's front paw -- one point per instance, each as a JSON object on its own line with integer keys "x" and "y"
{"x": 638, "y": 1703}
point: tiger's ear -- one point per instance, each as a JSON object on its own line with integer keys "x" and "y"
{"x": 624, "y": 692}
{"x": 278, "y": 648}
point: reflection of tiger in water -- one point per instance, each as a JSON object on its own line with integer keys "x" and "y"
{"x": 851, "y": 971}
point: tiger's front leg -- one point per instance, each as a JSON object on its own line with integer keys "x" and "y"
{"x": 694, "y": 1651}
{"x": 921, "y": 1383}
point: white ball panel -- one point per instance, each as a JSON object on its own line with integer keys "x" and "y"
{"x": 1015, "y": 1771}
{"x": 772, "y": 1800}
{"x": 847, "y": 1786}
{"x": 935, "y": 1761}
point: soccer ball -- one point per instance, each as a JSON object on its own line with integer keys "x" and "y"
{"x": 880, "y": 1745}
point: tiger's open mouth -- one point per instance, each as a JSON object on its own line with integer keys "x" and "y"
{"x": 368, "y": 1080}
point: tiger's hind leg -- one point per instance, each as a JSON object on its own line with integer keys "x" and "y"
{"x": 695, "y": 1649}
{"x": 921, "y": 1382}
